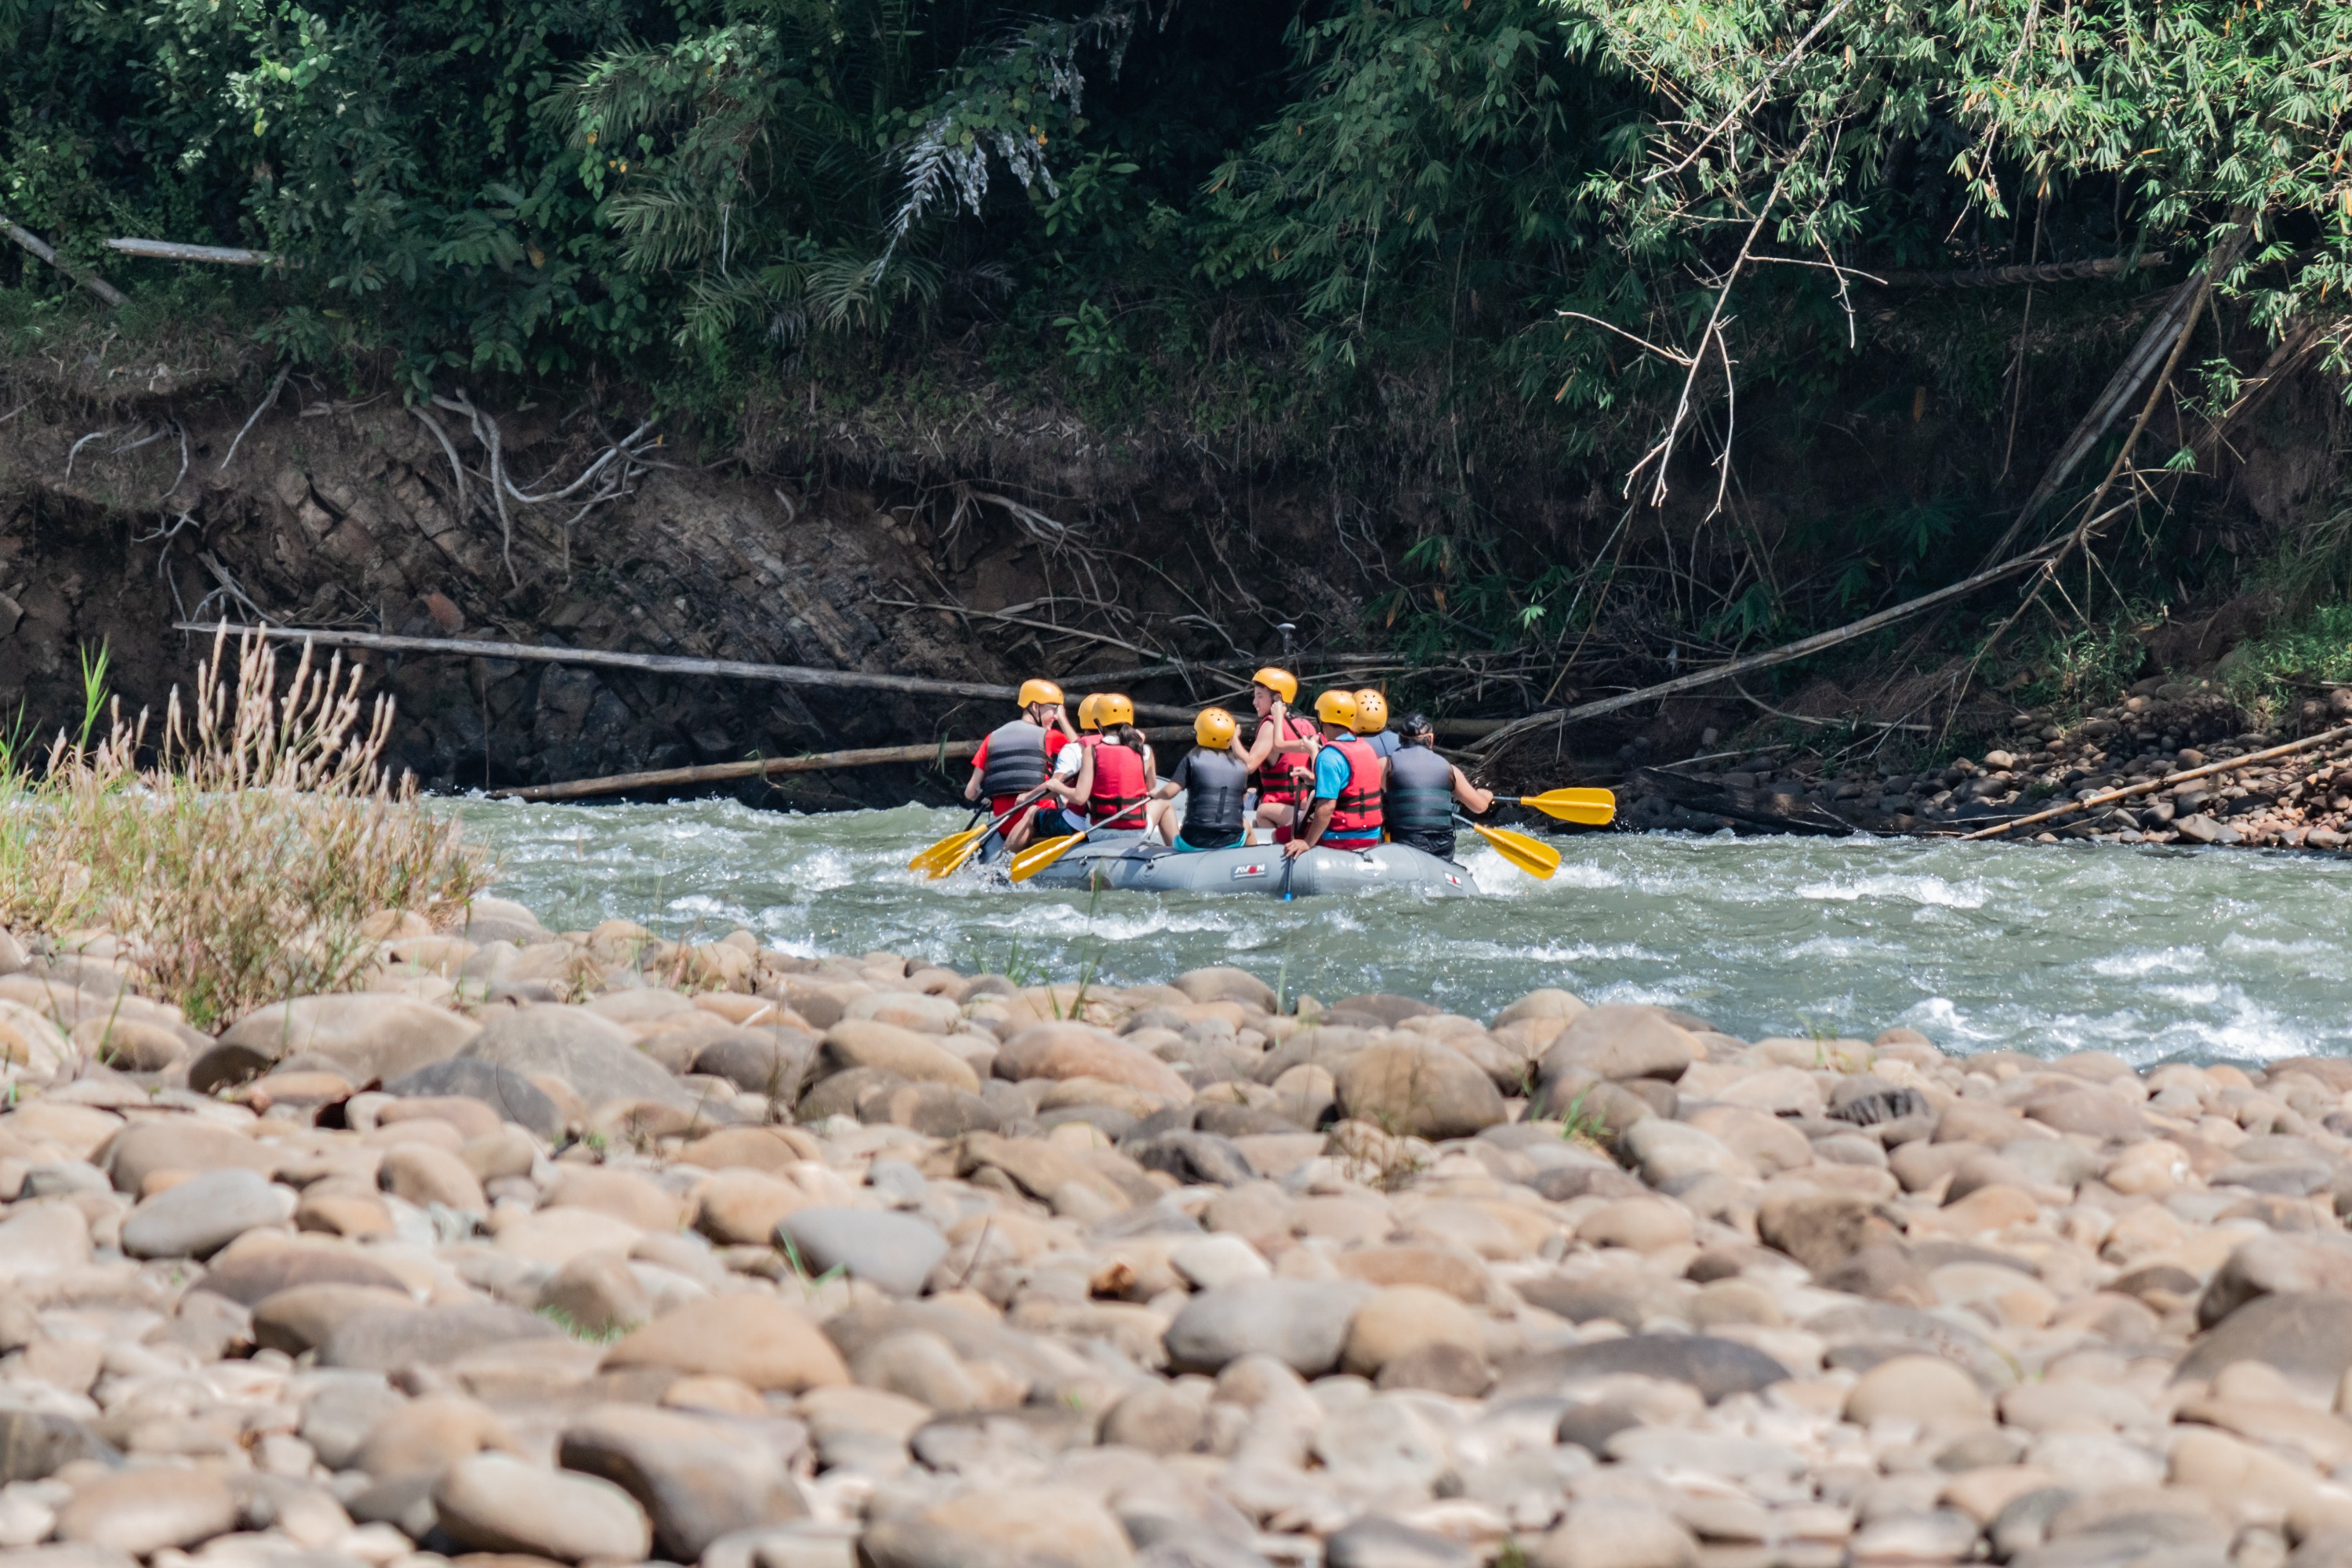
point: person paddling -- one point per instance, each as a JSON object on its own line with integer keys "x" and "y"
{"x": 1372, "y": 722}
{"x": 1115, "y": 775}
{"x": 1423, "y": 788}
{"x": 1014, "y": 764}
{"x": 1281, "y": 753}
{"x": 1214, "y": 779}
{"x": 1349, "y": 779}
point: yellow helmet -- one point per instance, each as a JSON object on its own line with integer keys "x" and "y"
{"x": 1337, "y": 708}
{"x": 1281, "y": 682}
{"x": 1033, "y": 692}
{"x": 1087, "y": 706}
{"x": 1214, "y": 729}
{"x": 1111, "y": 708}
{"x": 1371, "y": 712}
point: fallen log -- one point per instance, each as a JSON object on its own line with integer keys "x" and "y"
{"x": 2145, "y": 786}
{"x": 650, "y": 663}
{"x": 218, "y": 255}
{"x": 41, "y": 247}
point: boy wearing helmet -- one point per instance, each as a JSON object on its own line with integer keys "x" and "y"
{"x": 1373, "y": 722}
{"x": 1349, "y": 780}
{"x": 1281, "y": 754}
{"x": 1014, "y": 764}
{"x": 1215, "y": 777}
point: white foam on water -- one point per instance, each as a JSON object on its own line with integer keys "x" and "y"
{"x": 2033, "y": 948}
{"x": 1928, "y": 891}
{"x": 2156, "y": 960}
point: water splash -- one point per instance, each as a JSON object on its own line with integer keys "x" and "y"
{"x": 2148, "y": 953}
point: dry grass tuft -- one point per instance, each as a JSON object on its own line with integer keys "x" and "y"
{"x": 240, "y": 867}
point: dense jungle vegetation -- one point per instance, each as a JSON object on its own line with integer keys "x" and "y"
{"x": 1566, "y": 274}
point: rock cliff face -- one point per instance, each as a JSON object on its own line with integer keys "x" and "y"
{"x": 117, "y": 523}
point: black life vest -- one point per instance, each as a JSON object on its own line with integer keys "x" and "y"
{"x": 1419, "y": 807}
{"x": 1214, "y": 783}
{"x": 1016, "y": 759}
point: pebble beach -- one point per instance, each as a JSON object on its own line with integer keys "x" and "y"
{"x": 592, "y": 1247}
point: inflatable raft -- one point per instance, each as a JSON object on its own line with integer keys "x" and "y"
{"x": 1123, "y": 861}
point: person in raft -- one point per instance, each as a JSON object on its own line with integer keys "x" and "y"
{"x": 1281, "y": 753}
{"x": 1215, "y": 778}
{"x": 1372, "y": 722}
{"x": 1013, "y": 768}
{"x": 1423, "y": 787}
{"x": 1351, "y": 779}
{"x": 1116, "y": 773}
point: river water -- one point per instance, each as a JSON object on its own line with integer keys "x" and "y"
{"x": 2150, "y": 952}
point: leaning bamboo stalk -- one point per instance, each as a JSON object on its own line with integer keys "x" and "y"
{"x": 763, "y": 767}
{"x": 1786, "y": 652}
{"x": 650, "y": 663}
{"x": 2144, "y": 787}
{"x": 42, "y": 248}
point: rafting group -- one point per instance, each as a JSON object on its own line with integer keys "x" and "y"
{"x": 1295, "y": 806}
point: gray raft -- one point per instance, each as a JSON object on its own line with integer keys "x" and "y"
{"x": 1123, "y": 861}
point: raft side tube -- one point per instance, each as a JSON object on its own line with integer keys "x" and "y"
{"x": 1124, "y": 862}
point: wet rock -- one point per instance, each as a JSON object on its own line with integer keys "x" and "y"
{"x": 493, "y": 1502}
{"x": 894, "y": 1251}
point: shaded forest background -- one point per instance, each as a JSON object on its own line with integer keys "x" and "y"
{"x": 1536, "y": 347}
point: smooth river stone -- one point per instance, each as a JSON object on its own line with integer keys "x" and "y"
{"x": 201, "y": 1216}
{"x": 894, "y": 1251}
{"x": 1716, "y": 1367}
{"x": 494, "y": 1502}
{"x": 1301, "y": 1324}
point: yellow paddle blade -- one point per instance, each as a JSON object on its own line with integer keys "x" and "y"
{"x": 1537, "y": 860}
{"x": 1593, "y": 808}
{"x": 956, "y": 862}
{"x": 1038, "y": 856}
{"x": 947, "y": 850}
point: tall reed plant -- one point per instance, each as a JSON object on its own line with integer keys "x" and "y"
{"x": 241, "y": 863}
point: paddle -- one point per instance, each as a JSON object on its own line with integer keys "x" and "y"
{"x": 1593, "y": 807}
{"x": 1038, "y": 856}
{"x": 1536, "y": 859}
{"x": 946, "y": 848}
{"x": 949, "y": 854}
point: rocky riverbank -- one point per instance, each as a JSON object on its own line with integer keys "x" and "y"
{"x": 2161, "y": 728}
{"x": 590, "y": 1247}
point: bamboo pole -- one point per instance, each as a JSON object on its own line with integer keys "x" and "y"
{"x": 762, "y": 767}
{"x": 172, "y": 251}
{"x": 826, "y": 761}
{"x": 42, "y": 248}
{"x": 1518, "y": 727}
{"x": 650, "y": 663}
{"x": 2145, "y": 786}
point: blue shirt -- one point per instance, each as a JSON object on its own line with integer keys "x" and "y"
{"x": 1331, "y": 773}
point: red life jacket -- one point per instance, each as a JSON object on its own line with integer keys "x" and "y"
{"x": 1286, "y": 778}
{"x": 1119, "y": 784}
{"x": 1356, "y": 815}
